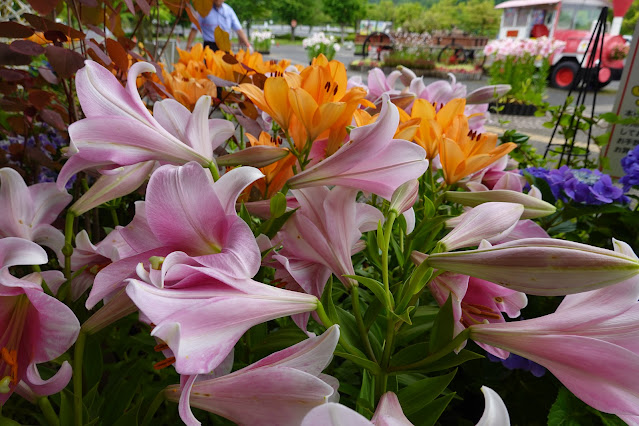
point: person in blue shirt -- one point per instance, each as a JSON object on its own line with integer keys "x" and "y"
{"x": 221, "y": 15}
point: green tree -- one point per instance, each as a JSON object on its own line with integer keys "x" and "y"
{"x": 479, "y": 17}
{"x": 382, "y": 11}
{"x": 344, "y": 12}
{"x": 409, "y": 16}
{"x": 444, "y": 15}
{"x": 630, "y": 20}
{"x": 251, "y": 11}
{"x": 300, "y": 11}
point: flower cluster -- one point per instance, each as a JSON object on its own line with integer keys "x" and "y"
{"x": 518, "y": 48}
{"x": 321, "y": 44}
{"x": 261, "y": 40}
{"x": 248, "y": 262}
{"x": 584, "y": 186}
{"x": 630, "y": 164}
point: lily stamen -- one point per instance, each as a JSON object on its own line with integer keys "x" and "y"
{"x": 164, "y": 363}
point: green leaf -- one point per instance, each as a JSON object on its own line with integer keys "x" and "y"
{"x": 442, "y": 332}
{"x": 410, "y": 354}
{"x": 278, "y": 205}
{"x": 418, "y": 279}
{"x": 366, "y": 399}
{"x": 274, "y": 224}
{"x": 374, "y": 286}
{"x": 380, "y": 235}
{"x": 423, "y": 319}
{"x": 399, "y": 255}
{"x": 372, "y": 313}
{"x": 372, "y": 250}
{"x": 415, "y": 397}
{"x": 567, "y": 410}
{"x": 130, "y": 417}
{"x": 451, "y": 360}
{"x": 429, "y": 415}
{"x": 93, "y": 364}
{"x": 348, "y": 330}
{"x": 404, "y": 316}
{"x": 327, "y": 301}
{"x": 362, "y": 362}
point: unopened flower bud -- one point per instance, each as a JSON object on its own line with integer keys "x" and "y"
{"x": 256, "y": 156}
{"x": 533, "y": 207}
{"x": 541, "y": 266}
{"x": 405, "y": 196}
{"x": 486, "y": 94}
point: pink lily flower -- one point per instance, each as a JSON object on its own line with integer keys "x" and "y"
{"x": 282, "y": 387}
{"x": 326, "y": 231}
{"x": 186, "y": 219}
{"x": 28, "y": 211}
{"x": 476, "y": 301}
{"x": 201, "y": 317}
{"x": 120, "y": 131}
{"x": 495, "y": 411}
{"x": 389, "y": 412}
{"x": 591, "y": 343}
{"x": 36, "y": 327}
{"x": 371, "y": 161}
{"x": 379, "y": 84}
{"x": 541, "y": 266}
{"x": 480, "y": 223}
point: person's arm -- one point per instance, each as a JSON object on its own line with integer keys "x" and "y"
{"x": 242, "y": 37}
{"x": 191, "y": 37}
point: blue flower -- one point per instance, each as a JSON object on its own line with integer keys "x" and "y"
{"x": 582, "y": 186}
{"x": 516, "y": 362}
{"x": 630, "y": 164}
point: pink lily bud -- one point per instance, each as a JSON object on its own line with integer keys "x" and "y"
{"x": 541, "y": 266}
{"x": 487, "y": 93}
{"x": 118, "y": 183}
{"x": 389, "y": 412}
{"x": 407, "y": 75}
{"x": 533, "y": 207}
{"x": 495, "y": 411}
{"x": 405, "y": 196}
{"x": 488, "y": 221}
{"x": 256, "y": 156}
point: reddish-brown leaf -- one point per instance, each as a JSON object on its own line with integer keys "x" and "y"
{"x": 10, "y": 105}
{"x": 249, "y": 110}
{"x": 44, "y": 6}
{"x": 40, "y": 98}
{"x": 65, "y": 62}
{"x": 48, "y": 75}
{"x": 55, "y": 36}
{"x": 98, "y": 54}
{"x": 26, "y": 47}
{"x": 53, "y": 118}
{"x": 9, "y": 57}
{"x": 17, "y": 124}
{"x": 11, "y": 75}
{"x": 130, "y": 6}
{"x": 117, "y": 54}
{"x": 89, "y": 3}
{"x": 175, "y": 6}
{"x": 259, "y": 80}
{"x": 191, "y": 13}
{"x": 229, "y": 59}
{"x": 43, "y": 24}
{"x": 144, "y": 6}
{"x": 92, "y": 16}
{"x": 10, "y": 29}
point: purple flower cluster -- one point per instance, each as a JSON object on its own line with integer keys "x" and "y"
{"x": 516, "y": 362}
{"x": 583, "y": 186}
{"x": 49, "y": 141}
{"x": 630, "y": 164}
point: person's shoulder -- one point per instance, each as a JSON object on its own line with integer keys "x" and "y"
{"x": 227, "y": 7}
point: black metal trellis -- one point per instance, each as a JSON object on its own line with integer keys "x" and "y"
{"x": 585, "y": 78}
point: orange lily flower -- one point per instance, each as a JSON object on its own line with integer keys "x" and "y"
{"x": 273, "y": 100}
{"x": 429, "y": 133}
{"x": 463, "y": 152}
{"x": 188, "y": 90}
{"x": 406, "y": 129}
{"x": 276, "y": 174}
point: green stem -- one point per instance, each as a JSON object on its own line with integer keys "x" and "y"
{"x": 155, "y": 404}
{"x": 67, "y": 250}
{"x": 454, "y": 344}
{"x": 78, "y": 357}
{"x": 48, "y": 411}
{"x": 114, "y": 216}
{"x": 382, "y": 378}
{"x": 214, "y": 171}
{"x": 360, "y": 323}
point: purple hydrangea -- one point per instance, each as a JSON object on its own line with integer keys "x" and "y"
{"x": 630, "y": 164}
{"x": 582, "y": 186}
{"x": 516, "y": 362}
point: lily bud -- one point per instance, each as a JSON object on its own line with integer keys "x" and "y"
{"x": 541, "y": 266}
{"x": 405, "y": 196}
{"x": 488, "y": 221}
{"x": 533, "y": 207}
{"x": 256, "y": 156}
{"x": 407, "y": 75}
{"x": 486, "y": 94}
{"x": 117, "y": 183}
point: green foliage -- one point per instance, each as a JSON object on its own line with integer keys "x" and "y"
{"x": 344, "y": 11}
{"x": 568, "y": 410}
{"x": 528, "y": 81}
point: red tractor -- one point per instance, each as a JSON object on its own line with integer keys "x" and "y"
{"x": 571, "y": 21}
